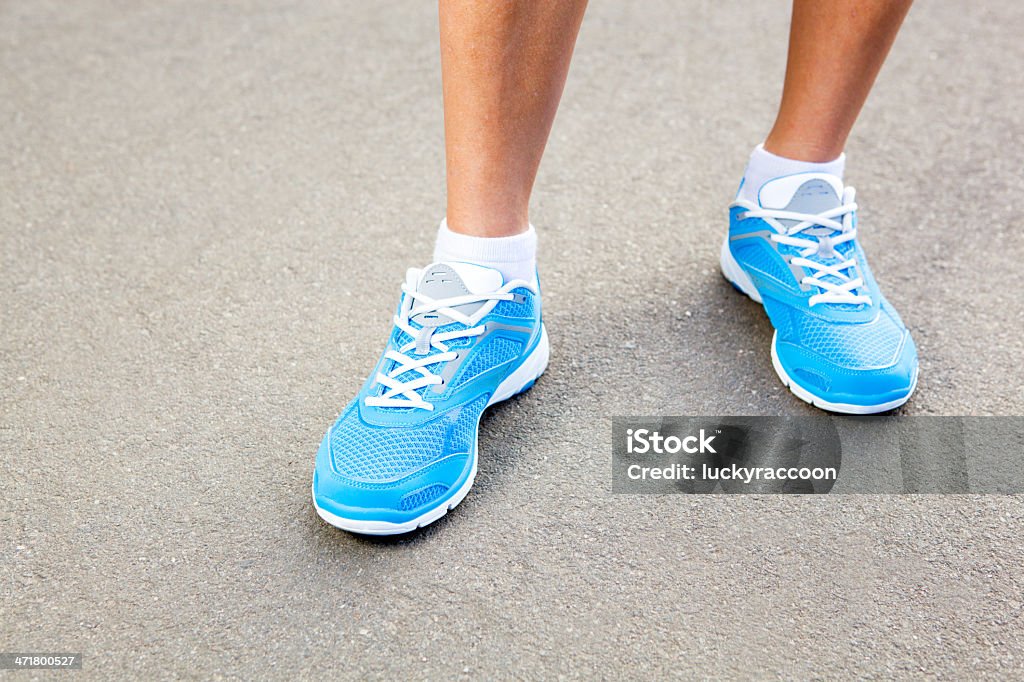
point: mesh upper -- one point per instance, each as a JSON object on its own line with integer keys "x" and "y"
{"x": 494, "y": 351}
{"x": 757, "y": 256}
{"x": 422, "y": 497}
{"x": 813, "y": 378}
{"x": 781, "y": 317}
{"x": 853, "y": 345}
{"x": 513, "y": 309}
{"x": 373, "y": 453}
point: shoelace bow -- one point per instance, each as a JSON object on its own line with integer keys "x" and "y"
{"x": 403, "y": 393}
{"x": 839, "y": 219}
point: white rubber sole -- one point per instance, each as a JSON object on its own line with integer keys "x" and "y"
{"x": 735, "y": 274}
{"x": 516, "y": 382}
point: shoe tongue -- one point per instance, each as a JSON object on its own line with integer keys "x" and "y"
{"x": 816, "y": 191}
{"x": 810, "y": 193}
{"x": 449, "y": 279}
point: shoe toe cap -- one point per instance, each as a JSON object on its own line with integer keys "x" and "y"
{"x": 394, "y": 499}
{"x": 846, "y": 382}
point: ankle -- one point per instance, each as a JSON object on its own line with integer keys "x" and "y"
{"x": 802, "y": 150}
{"x": 487, "y": 220}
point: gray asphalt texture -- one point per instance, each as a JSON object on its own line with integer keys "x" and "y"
{"x": 206, "y": 210}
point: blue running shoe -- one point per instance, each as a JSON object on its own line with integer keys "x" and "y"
{"x": 838, "y": 344}
{"x": 404, "y": 451}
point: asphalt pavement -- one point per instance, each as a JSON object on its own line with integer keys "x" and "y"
{"x": 206, "y": 212}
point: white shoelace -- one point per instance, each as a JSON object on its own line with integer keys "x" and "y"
{"x": 399, "y": 393}
{"x": 839, "y": 219}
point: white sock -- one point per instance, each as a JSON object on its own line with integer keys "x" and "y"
{"x": 765, "y": 166}
{"x": 514, "y": 257}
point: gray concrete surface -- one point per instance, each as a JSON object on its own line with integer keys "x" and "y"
{"x": 206, "y": 210}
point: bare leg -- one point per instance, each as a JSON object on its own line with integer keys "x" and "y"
{"x": 836, "y": 49}
{"x": 503, "y": 67}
